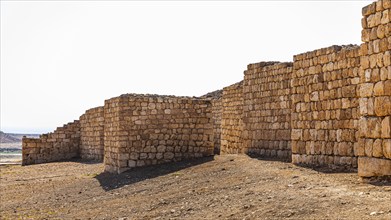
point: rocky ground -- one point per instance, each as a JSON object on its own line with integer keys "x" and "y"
{"x": 225, "y": 187}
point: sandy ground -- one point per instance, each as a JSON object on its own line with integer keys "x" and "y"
{"x": 223, "y": 187}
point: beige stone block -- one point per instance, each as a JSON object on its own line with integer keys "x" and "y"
{"x": 385, "y": 17}
{"x": 368, "y": 147}
{"x": 366, "y": 89}
{"x": 369, "y": 9}
{"x": 383, "y": 74}
{"x": 369, "y": 167}
{"x": 371, "y": 106}
{"x": 373, "y": 127}
{"x": 378, "y": 89}
{"x": 386, "y": 4}
{"x": 387, "y": 87}
{"x": 384, "y": 45}
{"x": 382, "y": 105}
{"x": 377, "y": 150}
{"x": 364, "y": 61}
{"x": 386, "y": 127}
{"x": 363, "y": 105}
{"x": 359, "y": 148}
{"x": 296, "y": 134}
{"x": 379, "y": 5}
{"x": 387, "y": 58}
{"x": 387, "y": 148}
{"x": 373, "y": 58}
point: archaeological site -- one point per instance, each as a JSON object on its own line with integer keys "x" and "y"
{"x": 329, "y": 107}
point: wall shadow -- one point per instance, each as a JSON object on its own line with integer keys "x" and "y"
{"x": 266, "y": 158}
{"x": 110, "y": 181}
{"x": 329, "y": 168}
{"x": 378, "y": 181}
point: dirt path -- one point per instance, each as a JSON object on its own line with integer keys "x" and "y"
{"x": 226, "y": 187}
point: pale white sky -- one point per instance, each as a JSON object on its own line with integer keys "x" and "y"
{"x": 61, "y": 58}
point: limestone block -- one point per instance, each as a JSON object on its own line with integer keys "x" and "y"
{"x": 366, "y": 89}
{"x": 387, "y": 148}
{"x": 386, "y": 127}
{"x": 382, "y": 106}
{"x": 369, "y": 167}
{"x": 377, "y": 150}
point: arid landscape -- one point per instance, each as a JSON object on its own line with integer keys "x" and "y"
{"x": 11, "y": 147}
{"x": 226, "y": 187}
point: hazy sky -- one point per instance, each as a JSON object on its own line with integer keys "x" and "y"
{"x": 61, "y": 58}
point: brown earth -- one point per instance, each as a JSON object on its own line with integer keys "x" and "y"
{"x": 225, "y": 187}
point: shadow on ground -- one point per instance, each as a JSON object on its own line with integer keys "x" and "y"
{"x": 378, "y": 181}
{"x": 258, "y": 157}
{"x": 110, "y": 181}
{"x": 329, "y": 168}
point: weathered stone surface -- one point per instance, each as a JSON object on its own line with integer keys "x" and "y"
{"x": 266, "y": 109}
{"x": 386, "y": 127}
{"x": 62, "y": 144}
{"x": 141, "y": 130}
{"x": 232, "y": 119}
{"x": 327, "y": 107}
{"x": 92, "y": 134}
{"x": 368, "y": 167}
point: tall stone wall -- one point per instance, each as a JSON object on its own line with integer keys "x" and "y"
{"x": 216, "y": 101}
{"x": 217, "y": 112}
{"x": 325, "y": 106}
{"x": 375, "y": 91}
{"x": 92, "y": 134}
{"x": 232, "y": 120}
{"x": 62, "y": 144}
{"x": 147, "y": 129}
{"x": 266, "y": 108}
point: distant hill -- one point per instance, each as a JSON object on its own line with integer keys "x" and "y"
{"x": 14, "y": 138}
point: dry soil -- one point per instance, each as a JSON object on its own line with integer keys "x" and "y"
{"x": 223, "y": 187}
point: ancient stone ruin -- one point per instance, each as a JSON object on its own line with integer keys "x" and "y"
{"x": 329, "y": 107}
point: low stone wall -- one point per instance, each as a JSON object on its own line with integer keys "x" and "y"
{"x": 62, "y": 144}
{"x": 232, "y": 120}
{"x": 267, "y": 113}
{"x": 149, "y": 129}
{"x": 92, "y": 134}
{"x": 325, "y": 106}
{"x": 375, "y": 91}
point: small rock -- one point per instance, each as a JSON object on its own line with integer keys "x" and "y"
{"x": 373, "y": 213}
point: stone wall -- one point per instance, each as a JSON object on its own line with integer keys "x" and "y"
{"x": 375, "y": 91}
{"x": 92, "y": 134}
{"x": 216, "y": 100}
{"x": 149, "y": 129}
{"x": 217, "y": 112}
{"x": 266, "y": 108}
{"x": 332, "y": 107}
{"x": 232, "y": 120}
{"x": 62, "y": 144}
{"x": 325, "y": 106}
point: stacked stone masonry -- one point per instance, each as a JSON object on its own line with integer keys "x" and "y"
{"x": 374, "y": 143}
{"x": 216, "y": 100}
{"x": 232, "y": 120}
{"x": 62, "y": 144}
{"x": 92, "y": 134}
{"x": 146, "y": 130}
{"x": 217, "y": 111}
{"x": 325, "y": 106}
{"x": 266, "y": 110}
{"x": 331, "y": 106}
